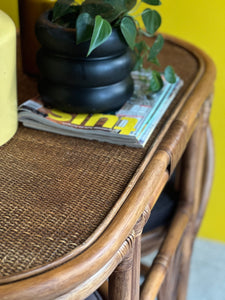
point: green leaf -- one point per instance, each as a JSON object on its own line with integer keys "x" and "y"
{"x": 129, "y": 31}
{"x": 122, "y": 5}
{"x": 152, "y": 2}
{"x": 155, "y": 61}
{"x": 156, "y": 82}
{"x": 108, "y": 9}
{"x": 156, "y": 47}
{"x": 170, "y": 74}
{"x": 139, "y": 63}
{"x": 61, "y": 8}
{"x": 152, "y": 20}
{"x": 99, "y": 8}
{"x": 142, "y": 47}
{"x": 102, "y": 31}
{"x": 84, "y": 28}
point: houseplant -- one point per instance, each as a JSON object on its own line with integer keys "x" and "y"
{"x": 89, "y": 49}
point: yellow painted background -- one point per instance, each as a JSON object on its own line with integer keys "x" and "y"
{"x": 202, "y": 23}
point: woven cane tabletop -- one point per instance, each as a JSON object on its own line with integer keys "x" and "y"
{"x": 55, "y": 191}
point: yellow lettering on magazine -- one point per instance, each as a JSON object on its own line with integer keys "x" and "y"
{"x": 129, "y": 126}
{"x": 109, "y": 123}
{"x": 79, "y": 119}
{"x": 59, "y": 116}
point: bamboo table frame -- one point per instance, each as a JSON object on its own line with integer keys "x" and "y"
{"x": 115, "y": 251}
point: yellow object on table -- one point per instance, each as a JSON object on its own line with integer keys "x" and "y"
{"x": 8, "y": 84}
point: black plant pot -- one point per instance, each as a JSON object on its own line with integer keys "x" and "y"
{"x": 71, "y": 81}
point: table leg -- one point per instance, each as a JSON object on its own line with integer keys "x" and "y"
{"x": 136, "y": 268}
{"x": 120, "y": 282}
{"x": 137, "y": 253}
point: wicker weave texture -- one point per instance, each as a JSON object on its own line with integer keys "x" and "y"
{"x": 53, "y": 197}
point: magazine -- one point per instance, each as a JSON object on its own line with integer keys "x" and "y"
{"x": 131, "y": 125}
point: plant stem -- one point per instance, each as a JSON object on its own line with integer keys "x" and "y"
{"x": 135, "y": 16}
{"x": 135, "y": 8}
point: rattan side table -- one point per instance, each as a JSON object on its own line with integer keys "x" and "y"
{"x": 72, "y": 210}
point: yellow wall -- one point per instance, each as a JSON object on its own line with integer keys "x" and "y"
{"x": 202, "y": 23}
{"x": 11, "y": 8}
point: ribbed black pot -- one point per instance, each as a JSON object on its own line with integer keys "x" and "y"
{"x": 71, "y": 81}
